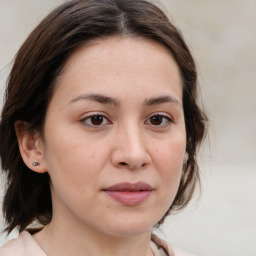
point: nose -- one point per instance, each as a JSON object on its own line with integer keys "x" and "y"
{"x": 130, "y": 150}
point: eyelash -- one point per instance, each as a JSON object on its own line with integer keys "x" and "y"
{"x": 106, "y": 121}
{"x": 89, "y": 118}
{"x": 167, "y": 119}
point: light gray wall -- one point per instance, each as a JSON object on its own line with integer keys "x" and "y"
{"x": 222, "y": 37}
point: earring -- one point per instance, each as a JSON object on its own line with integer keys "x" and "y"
{"x": 36, "y": 164}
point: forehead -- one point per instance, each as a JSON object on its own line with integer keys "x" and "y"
{"x": 120, "y": 64}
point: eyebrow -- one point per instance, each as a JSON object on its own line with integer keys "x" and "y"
{"x": 161, "y": 100}
{"x": 112, "y": 101}
{"x": 98, "y": 98}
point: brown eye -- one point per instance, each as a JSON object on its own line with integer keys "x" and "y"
{"x": 95, "y": 120}
{"x": 156, "y": 120}
{"x": 159, "y": 120}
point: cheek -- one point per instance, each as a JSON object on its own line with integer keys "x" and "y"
{"x": 168, "y": 160}
{"x": 170, "y": 153}
{"x": 170, "y": 168}
{"x": 74, "y": 162}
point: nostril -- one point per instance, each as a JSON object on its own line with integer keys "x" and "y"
{"x": 123, "y": 163}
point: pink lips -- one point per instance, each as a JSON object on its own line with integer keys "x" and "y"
{"x": 130, "y": 194}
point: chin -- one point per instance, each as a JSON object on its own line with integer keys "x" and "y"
{"x": 131, "y": 231}
{"x": 128, "y": 227}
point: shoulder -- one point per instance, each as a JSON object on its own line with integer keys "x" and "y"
{"x": 23, "y": 245}
{"x": 179, "y": 252}
{"x": 166, "y": 249}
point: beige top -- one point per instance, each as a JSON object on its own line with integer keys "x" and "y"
{"x": 25, "y": 245}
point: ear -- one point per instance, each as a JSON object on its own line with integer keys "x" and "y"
{"x": 185, "y": 159}
{"x": 31, "y": 147}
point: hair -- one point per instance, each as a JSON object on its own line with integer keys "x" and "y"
{"x": 31, "y": 84}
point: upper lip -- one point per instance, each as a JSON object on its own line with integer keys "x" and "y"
{"x": 126, "y": 186}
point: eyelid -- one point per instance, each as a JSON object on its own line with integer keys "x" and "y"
{"x": 163, "y": 114}
{"x": 93, "y": 114}
{"x": 168, "y": 117}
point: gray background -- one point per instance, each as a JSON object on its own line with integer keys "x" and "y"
{"x": 222, "y": 36}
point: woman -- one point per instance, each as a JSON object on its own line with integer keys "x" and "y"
{"x": 99, "y": 131}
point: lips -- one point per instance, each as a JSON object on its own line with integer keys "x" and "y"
{"x": 130, "y": 194}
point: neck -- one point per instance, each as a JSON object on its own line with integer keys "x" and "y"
{"x": 81, "y": 241}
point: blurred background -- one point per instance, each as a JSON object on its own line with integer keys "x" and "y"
{"x": 222, "y": 37}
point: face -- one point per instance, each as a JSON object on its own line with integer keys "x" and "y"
{"x": 114, "y": 137}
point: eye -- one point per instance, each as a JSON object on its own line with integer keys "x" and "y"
{"x": 159, "y": 120}
{"x": 95, "y": 120}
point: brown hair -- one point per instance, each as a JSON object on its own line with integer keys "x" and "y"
{"x": 31, "y": 84}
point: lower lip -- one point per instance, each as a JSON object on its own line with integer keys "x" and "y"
{"x": 130, "y": 198}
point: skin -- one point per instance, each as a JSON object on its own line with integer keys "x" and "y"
{"x": 126, "y": 145}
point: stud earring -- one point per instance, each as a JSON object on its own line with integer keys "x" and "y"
{"x": 36, "y": 164}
